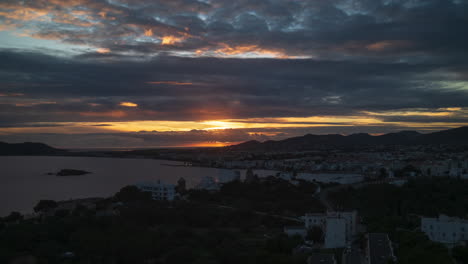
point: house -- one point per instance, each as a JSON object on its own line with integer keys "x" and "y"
{"x": 445, "y": 229}
{"x": 338, "y": 227}
{"x": 335, "y": 233}
{"x": 318, "y": 258}
{"x": 312, "y": 220}
{"x": 159, "y": 190}
{"x": 379, "y": 249}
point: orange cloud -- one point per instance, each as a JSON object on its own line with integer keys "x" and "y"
{"x": 454, "y": 109}
{"x": 171, "y": 40}
{"x": 209, "y": 144}
{"x": 24, "y": 14}
{"x": 103, "y": 50}
{"x": 227, "y": 50}
{"x": 387, "y": 45}
{"x": 148, "y": 32}
{"x": 128, "y": 104}
{"x": 421, "y": 112}
{"x": 104, "y": 114}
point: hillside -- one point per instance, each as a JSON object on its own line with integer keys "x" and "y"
{"x": 309, "y": 141}
{"x": 28, "y": 148}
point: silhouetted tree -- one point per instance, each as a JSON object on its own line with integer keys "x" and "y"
{"x": 132, "y": 194}
{"x": 45, "y": 205}
{"x": 315, "y": 234}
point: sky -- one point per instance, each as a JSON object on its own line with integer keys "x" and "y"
{"x": 155, "y": 73}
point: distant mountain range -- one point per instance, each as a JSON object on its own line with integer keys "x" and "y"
{"x": 456, "y": 136}
{"x": 28, "y": 148}
{"x": 309, "y": 141}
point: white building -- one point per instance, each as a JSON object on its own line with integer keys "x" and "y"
{"x": 338, "y": 227}
{"x": 312, "y": 220}
{"x": 444, "y": 229}
{"x": 158, "y": 190}
{"x": 335, "y": 233}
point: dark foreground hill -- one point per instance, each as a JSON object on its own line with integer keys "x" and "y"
{"x": 456, "y": 136}
{"x": 28, "y": 148}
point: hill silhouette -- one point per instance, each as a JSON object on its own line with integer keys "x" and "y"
{"x": 309, "y": 141}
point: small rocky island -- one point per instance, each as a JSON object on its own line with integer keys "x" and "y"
{"x": 69, "y": 172}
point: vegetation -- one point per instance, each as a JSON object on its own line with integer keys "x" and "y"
{"x": 396, "y": 210}
{"x": 416, "y": 248}
{"x": 270, "y": 195}
{"x": 421, "y": 196}
{"x": 45, "y": 205}
{"x": 146, "y": 231}
{"x": 460, "y": 253}
{"x": 239, "y": 224}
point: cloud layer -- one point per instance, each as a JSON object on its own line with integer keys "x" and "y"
{"x": 289, "y": 65}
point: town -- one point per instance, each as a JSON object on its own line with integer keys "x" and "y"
{"x": 373, "y": 206}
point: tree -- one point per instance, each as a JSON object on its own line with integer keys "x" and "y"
{"x": 45, "y": 205}
{"x": 132, "y": 194}
{"x": 315, "y": 234}
{"x": 460, "y": 253}
{"x": 13, "y": 217}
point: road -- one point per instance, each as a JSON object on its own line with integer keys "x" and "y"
{"x": 352, "y": 256}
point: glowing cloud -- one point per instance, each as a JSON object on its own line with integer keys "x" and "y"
{"x": 115, "y": 114}
{"x": 128, "y": 104}
{"x": 103, "y": 50}
{"x": 148, "y": 32}
{"x": 387, "y": 45}
{"x": 247, "y": 51}
{"x": 421, "y": 112}
{"x": 171, "y": 40}
{"x": 454, "y": 109}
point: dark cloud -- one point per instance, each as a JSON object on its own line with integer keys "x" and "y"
{"x": 174, "y": 88}
{"x": 202, "y": 60}
{"x": 328, "y": 29}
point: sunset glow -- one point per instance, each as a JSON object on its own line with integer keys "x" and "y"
{"x": 128, "y": 104}
{"x": 174, "y": 73}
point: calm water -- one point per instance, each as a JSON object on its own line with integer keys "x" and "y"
{"x": 23, "y": 180}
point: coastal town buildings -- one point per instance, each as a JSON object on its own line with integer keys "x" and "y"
{"x": 338, "y": 227}
{"x": 445, "y": 229}
{"x": 159, "y": 190}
